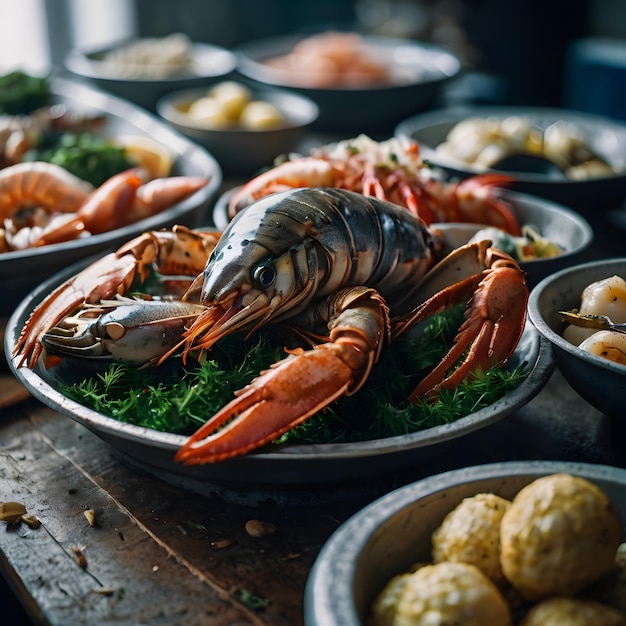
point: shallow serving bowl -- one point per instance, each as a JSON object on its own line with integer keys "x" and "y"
{"x": 21, "y": 271}
{"x": 599, "y": 381}
{"x": 273, "y": 466}
{"x": 565, "y": 227}
{"x": 419, "y": 71}
{"x": 208, "y": 63}
{"x": 394, "y": 532}
{"x": 238, "y": 150}
{"x": 605, "y": 136}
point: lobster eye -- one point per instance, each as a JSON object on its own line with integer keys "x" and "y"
{"x": 264, "y": 275}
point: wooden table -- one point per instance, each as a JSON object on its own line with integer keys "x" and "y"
{"x": 158, "y": 555}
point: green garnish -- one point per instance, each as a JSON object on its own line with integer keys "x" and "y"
{"x": 178, "y": 399}
{"x": 22, "y": 93}
{"x": 87, "y": 156}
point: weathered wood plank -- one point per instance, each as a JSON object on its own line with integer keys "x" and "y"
{"x": 121, "y": 555}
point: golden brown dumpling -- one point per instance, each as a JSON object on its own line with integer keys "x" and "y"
{"x": 450, "y": 593}
{"x": 573, "y": 612}
{"x": 470, "y": 533}
{"x": 560, "y": 534}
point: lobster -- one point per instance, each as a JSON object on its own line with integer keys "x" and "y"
{"x": 351, "y": 272}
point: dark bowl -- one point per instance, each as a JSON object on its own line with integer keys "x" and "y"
{"x": 237, "y": 150}
{"x": 564, "y": 227}
{"x": 419, "y": 72}
{"x": 606, "y": 137}
{"x": 208, "y": 65}
{"x": 599, "y": 381}
{"x": 394, "y": 532}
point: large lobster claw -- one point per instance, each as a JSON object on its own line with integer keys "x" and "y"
{"x": 496, "y": 289}
{"x": 278, "y": 400}
{"x": 297, "y": 387}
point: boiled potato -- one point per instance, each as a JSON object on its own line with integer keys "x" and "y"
{"x": 560, "y": 534}
{"x": 233, "y": 98}
{"x": 260, "y": 115}
{"x": 384, "y": 608}
{"x": 573, "y": 612}
{"x": 209, "y": 113}
{"x": 470, "y": 533}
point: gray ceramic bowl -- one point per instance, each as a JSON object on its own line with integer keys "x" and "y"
{"x": 607, "y": 137}
{"x": 557, "y": 223}
{"x": 208, "y": 64}
{"x": 241, "y": 151}
{"x": 271, "y": 467}
{"x": 561, "y": 225}
{"x": 23, "y": 270}
{"x": 394, "y": 532}
{"x": 420, "y": 71}
{"x": 599, "y": 381}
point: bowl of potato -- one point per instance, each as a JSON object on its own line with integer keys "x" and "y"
{"x": 244, "y": 128}
{"x": 525, "y": 542}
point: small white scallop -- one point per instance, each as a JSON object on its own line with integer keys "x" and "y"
{"x": 608, "y": 344}
{"x": 603, "y": 297}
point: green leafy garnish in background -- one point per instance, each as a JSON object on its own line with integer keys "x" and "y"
{"x": 178, "y": 399}
{"x": 94, "y": 159}
{"x": 22, "y": 93}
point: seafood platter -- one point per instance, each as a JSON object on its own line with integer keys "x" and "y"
{"x": 574, "y": 158}
{"x": 581, "y": 310}
{"x": 142, "y": 70}
{"x": 49, "y": 154}
{"x": 321, "y": 291}
{"x": 397, "y": 77}
{"x": 445, "y": 547}
{"x": 245, "y": 129}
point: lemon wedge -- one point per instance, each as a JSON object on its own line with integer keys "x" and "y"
{"x": 148, "y": 153}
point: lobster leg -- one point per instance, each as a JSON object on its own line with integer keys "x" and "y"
{"x": 494, "y": 319}
{"x": 179, "y": 251}
{"x": 301, "y": 384}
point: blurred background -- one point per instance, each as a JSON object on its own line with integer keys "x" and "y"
{"x": 525, "y": 52}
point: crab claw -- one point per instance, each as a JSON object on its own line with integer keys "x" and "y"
{"x": 494, "y": 319}
{"x": 300, "y": 385}
{"x": 279, "y": 399}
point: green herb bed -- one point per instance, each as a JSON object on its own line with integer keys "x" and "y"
{"x": 179, "y": 399}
